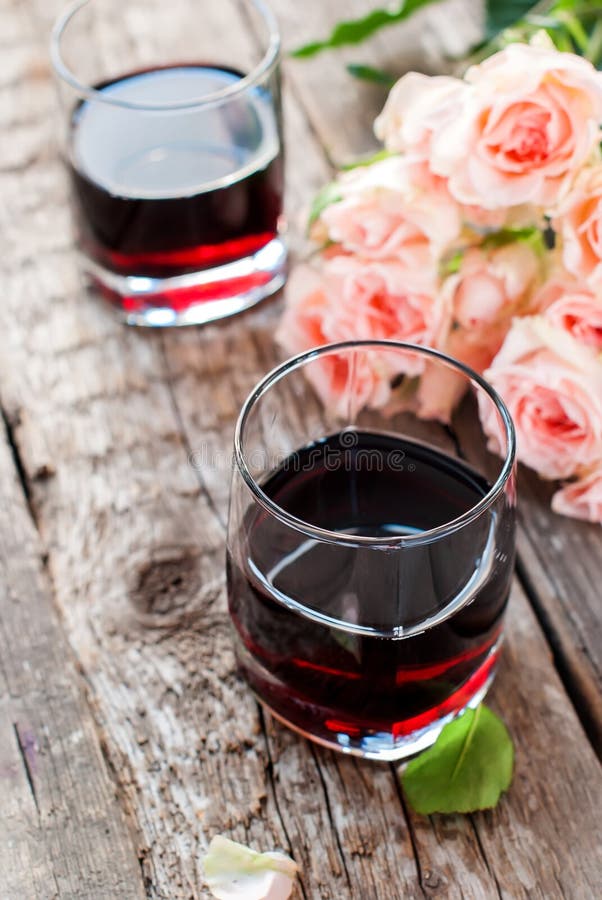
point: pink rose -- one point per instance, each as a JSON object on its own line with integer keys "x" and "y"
{"x": 308, "y": 306}
{"x": 361, "y": 299}
{"x": 493, "y": 284}
{"x": 439, "y": 391}
{"x": 579, "y": 222}
{"x": 351, "y": 299}
{"x": 554, "y": 393}
{"x": 417, "y": 106}
{"x": 473, "y": 318}
{"x": 381, "y": 300}
{"x": 394, "y": 208}
{"x": 517, "y": 131}
{"x": 581, "y": 499}
{"x": 573, "y": 307}
{"x": 309, "y": 321}
{"x": 535, "y": 120}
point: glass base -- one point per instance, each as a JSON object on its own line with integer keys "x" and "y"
{"x": 386, "y": 746}
{"x": 383, "y": 747}
{"x": 195, "y": 298}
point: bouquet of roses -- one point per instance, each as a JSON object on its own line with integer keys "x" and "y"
{"x": 477, "y": 231}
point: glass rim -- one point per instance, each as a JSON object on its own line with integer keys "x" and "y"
{"x": 264, "y": 67}
{"x": 338, "y": 537}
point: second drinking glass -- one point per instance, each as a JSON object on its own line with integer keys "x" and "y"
{"x": 173, "y": 145}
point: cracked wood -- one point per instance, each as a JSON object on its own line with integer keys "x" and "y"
{"x": 63, "y": 833}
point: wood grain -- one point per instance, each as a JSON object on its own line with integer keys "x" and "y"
{"x": 559, "y": 565}
{"x": 106, "y": 423}
{"x": 561, "y": 568}
{"x": 63, "y": 833}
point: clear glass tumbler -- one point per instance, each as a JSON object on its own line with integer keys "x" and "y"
{"x": 370, "y": 553}
{"x": 173, "y": 144}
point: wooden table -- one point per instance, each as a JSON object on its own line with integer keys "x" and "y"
{"x": 126, "y": 738}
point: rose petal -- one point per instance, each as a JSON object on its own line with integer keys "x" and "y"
{"x": 235, "y": 872}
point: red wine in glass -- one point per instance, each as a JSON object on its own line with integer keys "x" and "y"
{"x": 177, "y": 209}
{"x": 365, "y": 690}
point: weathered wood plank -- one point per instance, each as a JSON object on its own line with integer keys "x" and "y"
{"x": 561, "y": 567}
{"x": 557, "y": 784}
{"x": 104, "y": 420}
{"x": 135, "y": 550}
{"x": 62, "y": 832}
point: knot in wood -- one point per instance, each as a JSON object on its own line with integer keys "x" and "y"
{"x": 166, "y": 585}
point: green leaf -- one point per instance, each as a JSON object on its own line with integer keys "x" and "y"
{"x": 467, "y": 768}
{"x": 501, "y": 14}
{"x": 575, "y": 29}
{"x": 573, "y": 26}
{"x": 369, "y": 73}
{"x": 506, "y": 236}
{"x": 354, "y": 31}
{"x": 328, "y": 194}
{"x": 452, "y": 264}
{"x": 594, "y": 48}
{"x": 367, "y": 160}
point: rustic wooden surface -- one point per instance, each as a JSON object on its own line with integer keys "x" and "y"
{"x": 118, "y": 795}
{"x": 63, "y": 831}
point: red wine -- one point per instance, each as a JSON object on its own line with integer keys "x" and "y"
{"x": 159, "y": 195}
{"x": 342, "y": 686}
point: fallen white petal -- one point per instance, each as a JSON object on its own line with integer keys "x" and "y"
{"x": 235, "y": 872}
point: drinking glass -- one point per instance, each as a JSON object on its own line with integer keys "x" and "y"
{"x": 370, "y": 552}
{"x": 173, "y": 145}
